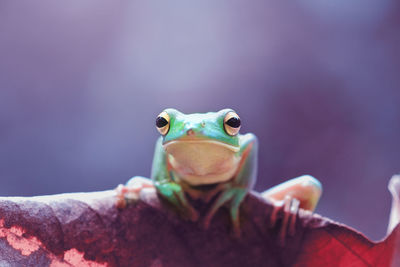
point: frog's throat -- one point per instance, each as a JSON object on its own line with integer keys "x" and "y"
{"x": 197, "y": 141}
{"x": 202, "y": 162}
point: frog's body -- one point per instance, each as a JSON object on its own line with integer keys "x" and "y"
{"x": 198, "y": 151}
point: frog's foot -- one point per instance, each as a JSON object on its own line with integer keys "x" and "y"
{"x": 130, "y": 192}
{"x": 290, "y": 208}
{"x": 233, "y": 196}
{"x": 174, "y": 194}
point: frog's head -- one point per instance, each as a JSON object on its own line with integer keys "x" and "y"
{"x": 202, "y": 148}
{"x": 222, "y": 127}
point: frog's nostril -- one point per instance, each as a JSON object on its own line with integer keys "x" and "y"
{"x": 190, "y": 132}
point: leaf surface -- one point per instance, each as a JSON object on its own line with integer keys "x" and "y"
{"x": 86, "y": 229}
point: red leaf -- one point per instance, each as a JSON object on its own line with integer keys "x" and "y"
{"x": 87, "y": 230}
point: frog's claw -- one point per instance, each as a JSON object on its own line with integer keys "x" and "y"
{"x": 234, "y": 197}
{"x": 130, "y": 192}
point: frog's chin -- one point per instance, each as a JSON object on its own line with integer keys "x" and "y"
{"x": 197, "y": 180}
{"x": 202, "y": 162}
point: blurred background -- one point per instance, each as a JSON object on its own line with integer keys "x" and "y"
{"x": 318, "y": 82}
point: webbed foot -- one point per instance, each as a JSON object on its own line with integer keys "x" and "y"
{"x": 290, "y": 208}
{"x": 130, "y": 192}
{"x": 301, "y": 192}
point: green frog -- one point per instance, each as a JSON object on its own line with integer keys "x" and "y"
{"x": 203, "y": 156}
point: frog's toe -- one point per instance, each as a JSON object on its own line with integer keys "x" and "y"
{"x": 288, "y": 228}
{"x": 293, "y": 211}
{"x": 120, "y": 195}
{"x": 274, "y": 214}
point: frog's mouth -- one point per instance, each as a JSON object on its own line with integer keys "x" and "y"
{"x": 201, "y": 162}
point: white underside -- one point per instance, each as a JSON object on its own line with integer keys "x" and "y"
{"x": 200, "y": 162}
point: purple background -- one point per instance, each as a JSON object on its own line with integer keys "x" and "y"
{"x": 317, "y": 81}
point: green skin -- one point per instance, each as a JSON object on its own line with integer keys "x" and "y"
{"x": 207, "y": 126}
{"x": 200, "y": 156}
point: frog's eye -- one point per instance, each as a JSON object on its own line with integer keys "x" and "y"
{"x": 162, "y": 123}
{"x": 231, "y": 123}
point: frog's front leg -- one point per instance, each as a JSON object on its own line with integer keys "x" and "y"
{"x": 166, "y": 185}
{"x": 235, "y": 190}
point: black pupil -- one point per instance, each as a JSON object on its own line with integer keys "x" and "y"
{"x": 233, "y": 122}
{"x": 161, "y": 122}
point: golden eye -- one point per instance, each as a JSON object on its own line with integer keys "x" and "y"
{"x": 231, "y": 123}
{"x": 162, "y": 123}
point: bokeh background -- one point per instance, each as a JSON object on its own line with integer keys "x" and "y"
{"x": 317, "y": 81}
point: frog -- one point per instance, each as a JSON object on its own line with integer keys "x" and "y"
{"x": 203, "y": 156}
